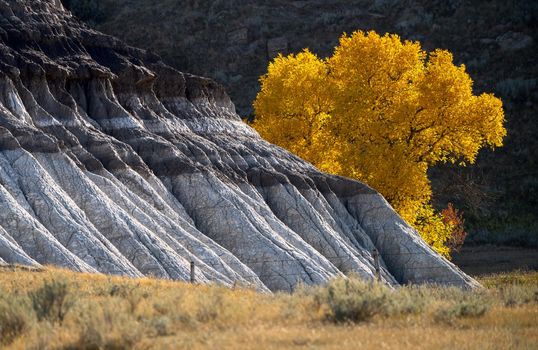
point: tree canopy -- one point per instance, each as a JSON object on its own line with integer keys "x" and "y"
{"x": 380, "y": 110}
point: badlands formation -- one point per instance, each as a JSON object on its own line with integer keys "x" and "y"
{"x": 113, "y": 162}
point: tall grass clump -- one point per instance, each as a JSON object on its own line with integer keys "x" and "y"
{"x": 211, "y": 306}
{"x": 517, "y": 295}
{"x": 515, "y": 289}
{"x": 15, "y": 318}
{"x": 105, "y": 324}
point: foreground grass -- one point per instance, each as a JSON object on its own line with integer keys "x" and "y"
{"x": 58, "y": 309}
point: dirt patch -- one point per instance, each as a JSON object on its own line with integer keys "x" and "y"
{"x": 483, "y": 260}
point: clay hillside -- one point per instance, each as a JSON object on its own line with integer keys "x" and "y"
{"x": 232, "y": 42}
{"x": 112, "y": 161}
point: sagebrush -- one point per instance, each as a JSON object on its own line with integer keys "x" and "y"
{"x": 59, "y": 309}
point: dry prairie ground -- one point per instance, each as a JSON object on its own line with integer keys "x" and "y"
{"x": 58, "y": 309}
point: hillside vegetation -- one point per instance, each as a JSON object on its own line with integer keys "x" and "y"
{"x": 418, "y": 111}
{"x": 58, "y": 309}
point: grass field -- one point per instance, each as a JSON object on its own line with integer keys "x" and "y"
{"x": 58, "y": 309}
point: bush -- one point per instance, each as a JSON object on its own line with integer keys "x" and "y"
{"x": 119, "y": 290}
{"x": 408, "y": 300}
{"x": 470, "y": 306}
{"x": 162, "y": 326}
{"x": 14, "y": 319}
{"x": 51, "y": 301}
{"x": 353, "y": 300}
{"x": 454, "y": 218}
{"x": 516, "y": 295}
{"x": 132, "y": 293}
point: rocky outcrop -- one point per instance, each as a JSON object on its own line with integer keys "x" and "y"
{"x": 233, "y": 41}
{"x": 113, "y": 162}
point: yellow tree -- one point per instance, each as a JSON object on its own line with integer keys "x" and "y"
{"x": 382, "y": 111}
{"x": 293, "y": 109}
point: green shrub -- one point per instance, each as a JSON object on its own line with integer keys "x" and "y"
{"x": 353, "y": 300}
{"x": 517, "y": 295}
{"x": 51, "y": 302}
{"x": 408, "y": 300}
{"x": 162, "y": 326}
{"x": 470, "y": 306}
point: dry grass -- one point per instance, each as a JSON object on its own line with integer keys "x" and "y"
{"x": 103, "y": 312}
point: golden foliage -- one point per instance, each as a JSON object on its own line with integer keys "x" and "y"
{"x": 383, "y": 111}
{"x": 296, "y": 100}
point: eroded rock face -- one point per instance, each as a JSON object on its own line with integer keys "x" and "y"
{"x": 112, "y": 161}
